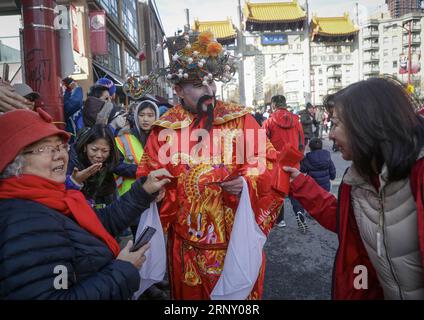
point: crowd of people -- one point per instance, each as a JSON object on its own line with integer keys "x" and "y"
{"x": 67, "y": 196}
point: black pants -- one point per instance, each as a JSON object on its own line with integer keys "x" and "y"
{"x": 296, "y": 208}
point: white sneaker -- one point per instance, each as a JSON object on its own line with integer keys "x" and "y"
{"x": 282, "y": 224}
{"x": 301, "y": 222}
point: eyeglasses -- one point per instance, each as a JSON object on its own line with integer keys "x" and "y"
{"x": 49, "y": 150}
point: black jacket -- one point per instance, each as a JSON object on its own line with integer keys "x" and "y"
{"x": 318, "y": 165}
{"x": 35, "y": 239}
{"x": 101, "y": 187}
{"x": 307, "y": 122}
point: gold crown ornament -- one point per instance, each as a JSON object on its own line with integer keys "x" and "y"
{"x": 203, "y": 59}
{"x": 193, "y": 58}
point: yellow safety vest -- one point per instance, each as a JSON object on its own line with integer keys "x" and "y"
{"x": 132, "y": 151}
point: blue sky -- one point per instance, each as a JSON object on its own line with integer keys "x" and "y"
{"x": 173, "y": 16}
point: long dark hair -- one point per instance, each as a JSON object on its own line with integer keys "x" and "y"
{"x": 89, "y": 135}
{"x": 381, "y": 124}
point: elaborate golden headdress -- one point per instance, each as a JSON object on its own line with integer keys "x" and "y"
{"x": 193, "y": 58}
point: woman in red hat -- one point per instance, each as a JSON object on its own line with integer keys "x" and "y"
{"x": 53, "y": 245}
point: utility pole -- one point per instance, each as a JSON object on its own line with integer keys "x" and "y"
{"x": 308, "y": 92}
{"x": 359, "y": 45}
{"x": 187, "y": 26}
{"x": 240, "y": 50}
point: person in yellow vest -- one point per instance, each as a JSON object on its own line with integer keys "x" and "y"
{"x": 130, "y": 145}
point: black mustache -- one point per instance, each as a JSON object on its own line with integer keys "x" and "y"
{"x": 208, "y": 112}
{"x": 204, "y": 98}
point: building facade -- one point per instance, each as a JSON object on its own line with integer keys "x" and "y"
{"x": 398, "y": 8}
{"x": 334, "y": 55}
{"x": 152, "y": 38}
{"x": 388, "y": 45}
{"x": 276, "y": 53}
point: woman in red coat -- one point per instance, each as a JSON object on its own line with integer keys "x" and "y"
{"x": 379, "y": 214}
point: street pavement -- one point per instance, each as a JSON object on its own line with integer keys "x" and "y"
{"x": 299, "y": 266}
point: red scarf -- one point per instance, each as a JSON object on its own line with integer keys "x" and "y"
{"x": 52, "y": 194}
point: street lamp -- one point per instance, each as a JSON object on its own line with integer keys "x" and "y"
{"x": 409, "y": 49}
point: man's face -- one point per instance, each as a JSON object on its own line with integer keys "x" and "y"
{"x": 191, "y": 93}
{"x": 105, "y": 96}
{"x": 71, "y": 85}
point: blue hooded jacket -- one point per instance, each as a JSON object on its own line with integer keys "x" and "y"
{"x": 320, "y": 167}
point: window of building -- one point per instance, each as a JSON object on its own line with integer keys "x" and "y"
{"x": 315, "y": 59}
{"x": 348, "y": 57}
{"x": 340, "y": 58}
{"x": 131, "y": 64}
{"x": 395, "y": 39}
{"x": 385, "y": 52}
{"x": 331, "y": 58}
{"x": 290, "y": 47}
{"x": 129, "y": 19}
{"x": 385, "y": 40}
{"x": 114, "y": 61}
{"x": 319, "y": 71}
{"x": 394, "y": 64}
{"x": 299, "y": 47}
{"x": 323, "y": 58}
{"x": 111, "y": 7}
{"x": 320, "y": 82}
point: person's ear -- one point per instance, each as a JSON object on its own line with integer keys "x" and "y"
{"x": 179, "y": 91}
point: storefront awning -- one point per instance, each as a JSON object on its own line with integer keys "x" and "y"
{"x": 101, "y": 72}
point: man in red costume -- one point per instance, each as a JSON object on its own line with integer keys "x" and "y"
{"x": 218, "y": 155}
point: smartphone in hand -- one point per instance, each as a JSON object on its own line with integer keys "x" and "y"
{"x": 145, "y": 236}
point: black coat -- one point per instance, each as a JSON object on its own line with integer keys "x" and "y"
{"x": 320, "y": 167}
{"x": 101, "y": 187}
{"x": 307, "y": 121}
{"x": 35, "y": 239}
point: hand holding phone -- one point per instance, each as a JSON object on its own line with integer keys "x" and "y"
{"x": 145, "y": 236}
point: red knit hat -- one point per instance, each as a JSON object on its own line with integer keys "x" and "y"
{"x": 20, "y": 128}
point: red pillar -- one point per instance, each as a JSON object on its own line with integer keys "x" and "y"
{"x": 41, "y": 55}
{"x": 409, "y": 52}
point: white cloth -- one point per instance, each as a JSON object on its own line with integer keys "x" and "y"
{"x": 153, "y": 269}
{"x": 244, "y": 255}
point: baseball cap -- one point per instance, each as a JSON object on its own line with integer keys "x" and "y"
{"x": 26, "y": 91}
